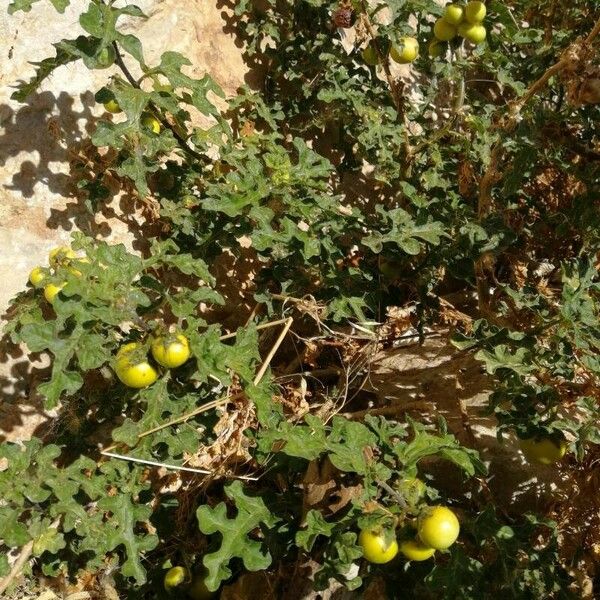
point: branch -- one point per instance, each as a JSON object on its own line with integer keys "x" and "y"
{"x": 155, "y": 112}
{"x": 494, "y": 172}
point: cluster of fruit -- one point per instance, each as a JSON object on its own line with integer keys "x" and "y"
{"x": 148, "y": 121}
{"x": 134, "y": 368}
{"x": 62, "y": 256}
{"x": 462, "y": 20}
{"x": 179, "y": 579}
{"x": 437, "y": 528}
{"x": 132, "y": 365}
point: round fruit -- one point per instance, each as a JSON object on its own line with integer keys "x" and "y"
{"x": 105, "y": 58}
{"x": 171, "y": 351}
{"x": 415, "y": 550}
{"x": 344, "y": 17}
{"x": 37, "y": 275}
{"x": 370, "y": 55}
{"x": 406, "y": 51}
{"x": 59, "y": 255}
{"x": 544, "y": 450}
{"x": 436, "y": 48}
{"x": 473, "y": 33}
{"x": 151, "y": 123}
{"x": 453, "y": 14}
{"x": 444, "y": 31}
{"x": 198, "y": 589}
{"x": 51, "y": 291}
{"x": 375, "y": 547}
{"x": 475, "y": 12}
{"x": 174, "y": 577}
{"x": 438, "y": 527}
{"x": 112, "y": 106}
{"x": 132, "y": 367}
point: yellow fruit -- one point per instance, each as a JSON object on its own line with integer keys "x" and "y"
{"x": 453, "y": 14}
{"x": 37, "y": 275}
{"x": 133, "y": 368}
{"x": 543, "y": 450}
{"x": 174, "y": 577}
{"x": 75, "y": 271}
{"x": 473, "y": 33}
{"x": 444, "y": 31}
{"x": 436, "y": 48}
{"x": 406, "y": 51}
{"x": 112, "y": 106}
{"x": 59, "y": 255}
{"x": 475, "y": 12}
{"x": 171, "y": 351}
{"x": 151, "y": 123}
{"x": 438, "y": 527}
{"x": 51, "y": 291}
{"x": 415, "y": 550}
{"x": 370, "y": 55}
{"x": 375, "y": 547}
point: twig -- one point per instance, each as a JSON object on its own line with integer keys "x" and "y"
{"x": 21, "y": 560}
{"x": 274, "y": 349}
{"x": 396, "y": 95}
{"x": 228, "y": 336}
{"x": 174, "y": 467}
{"x": 392, "y": 492}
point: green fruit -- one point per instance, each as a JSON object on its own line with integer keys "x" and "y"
{"x": 473, "y": 33}
{"x": 444, "y": 31}
{"x": 453, "y": 14}
{"x": 544, "y": 449}
{"x": 436, "y": 48}
{"x": 413, "y": 490}
{"x": 475, "y": 12}
{"x": 416, "y": 551}
{"x": 105, "y": 58}
{"x": 175, "y": 577}
{"x": 112, "y": 106}
{"x": 151, "y": 123}
{"x": 406, "y": 51}
{"x": 438, "y": 527}
{"x": 370, "y": 56}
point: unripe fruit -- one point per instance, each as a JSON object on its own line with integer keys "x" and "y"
{"x": 52, "y": 290}
{"x": 406, "y": 51}
{"x": 174, "y": 577}
{"x": 370, "y": 56}
{"x": 438, "y": 527}
{"x": 171, "y": 351}
{"x": 37, "y": 275}
{"x": 453, "y": 14}
{"x": 543, "y": 450}
{"x": 415, "y": 550}
{"x": 105, "y": 58}
{"x": 150, "y": 122}
{"x": 473, "y": 33}
{"x": 112, "y": 106}
{"x": 475, "y": 12}
{"x": 133, "y": 368}
{"x": 375, "y": 548}
{"x": 436, "y": 49}
{"x": 444, "y": 31}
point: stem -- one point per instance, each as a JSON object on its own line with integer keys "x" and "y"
{"x": 155, "y": 112}
{"x": 395, "y": 92}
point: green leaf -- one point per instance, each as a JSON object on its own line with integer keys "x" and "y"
{"x": 502, "y": 358}
{"x": 316, "y": 525}
{"x": 252, "y": 513}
